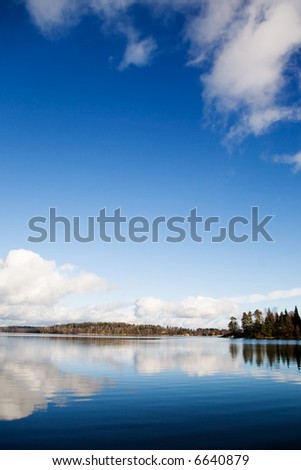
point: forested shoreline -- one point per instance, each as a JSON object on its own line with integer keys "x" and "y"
{"x": 269, "y": 324}
{"x": 114, "y": 329}
{"x": 253, "y": 325}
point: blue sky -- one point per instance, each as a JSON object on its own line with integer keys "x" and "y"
{"x": 156, "y": 108}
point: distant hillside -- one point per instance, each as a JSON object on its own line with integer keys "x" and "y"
{"x": 113, "y": 329}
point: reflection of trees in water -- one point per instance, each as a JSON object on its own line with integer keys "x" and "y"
{"x": 271, "y": 354}
{"x": 233, "y": 350}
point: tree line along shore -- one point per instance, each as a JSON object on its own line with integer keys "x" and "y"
{"x": 253, "y": 325}
{"x": 114, "y": 329}
{"x": 271, "y": 324}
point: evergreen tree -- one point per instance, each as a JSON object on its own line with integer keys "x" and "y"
{"x": 247, "y": 324}
{"x": 257, "y": 328}
{"x": 297, "y": 323}
{"x": 233, "y": 325}
{"x": 269, "y": 324}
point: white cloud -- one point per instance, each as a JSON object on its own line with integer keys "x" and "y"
{"x": 250, "y": 51}
{"x": 293, "y": 160}
{"x": 51, "y": 15}
{"x": 48, "y": 14}
{"x": 27, "y": 278}
{"x": 138, "y": 53}
{"x": 32, "y": 288}
{"x": 34, "y": 291}
{"x": 191, "y": 312}
{"x": 247, "y": 47}
{"x": 205, "y": 29}
{"x": 274, "y": 295}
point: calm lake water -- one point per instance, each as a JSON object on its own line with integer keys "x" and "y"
{"x": 158, "y": 393}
